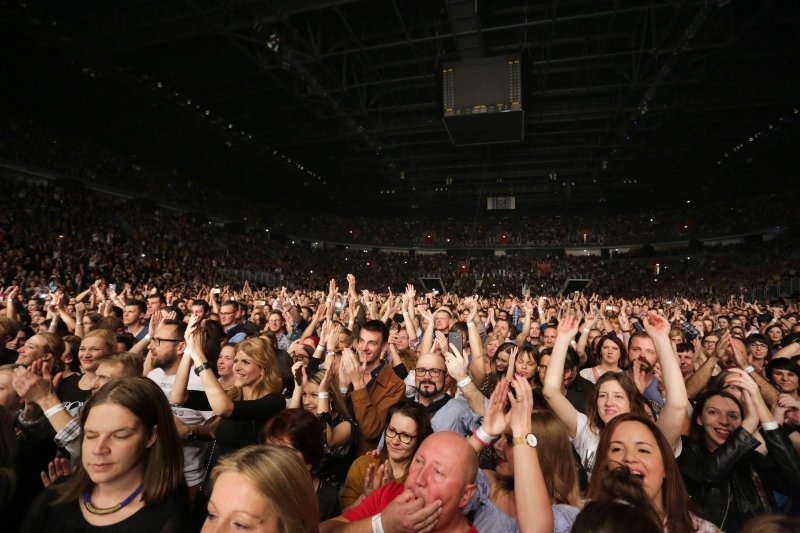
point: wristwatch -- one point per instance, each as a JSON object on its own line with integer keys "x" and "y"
{"x": 529, "y": 439}
{"x": 202, "y": 366}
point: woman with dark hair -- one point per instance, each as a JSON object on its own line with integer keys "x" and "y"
{"x": 723, "y": 472}
{"x": 622, "y": 502}
{"x": 301, "y": 431}
{"x": 130, "y": 472}
{"x": 407, "y": 425}
{"x": 70, "y": 360}
{"x": 615, "y": 394}
{"x": 318, "y": 395}
{"x": 785, "y": 374}
{"x": 609, "y": 355}
{"x": 635, "y": 443}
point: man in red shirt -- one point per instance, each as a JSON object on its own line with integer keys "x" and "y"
{"x": 440, "y": 483}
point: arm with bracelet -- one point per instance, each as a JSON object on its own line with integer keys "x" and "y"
{"x": 457, "y": 366}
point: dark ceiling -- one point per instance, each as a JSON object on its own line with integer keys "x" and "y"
{"x": 624, "y": 100}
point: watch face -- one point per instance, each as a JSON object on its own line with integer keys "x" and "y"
{"x": 531, "y": 440}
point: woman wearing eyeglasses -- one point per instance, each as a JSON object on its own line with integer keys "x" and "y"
{"x": 407, "y": 425}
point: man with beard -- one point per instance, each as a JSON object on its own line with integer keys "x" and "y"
{"x": 642, "y": 353}
{"x": 164, "y": 356}
{"x": 729, "y": 352}
{"x": 447, "y": 413}
{"x": 376, "y": 387}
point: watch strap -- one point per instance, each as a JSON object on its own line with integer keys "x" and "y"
{"x": 202, "y": 366}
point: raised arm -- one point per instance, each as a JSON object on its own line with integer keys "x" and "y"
{"x": 426, "y": 346}
{"x": 698, "y": 381}
{"x": 526, "y": 324}
{"x": 457, "y": 367}
{"x": 477, "y": 366}
{"x": 220, "y": 402}
{"x": 534, "y": 513}
{"x": 672, "y": 416}
{"x": 554, "y": 377}
{"x": 588, "y": 324}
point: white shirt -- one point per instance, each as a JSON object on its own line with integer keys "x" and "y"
{"x": 194, "y": 453}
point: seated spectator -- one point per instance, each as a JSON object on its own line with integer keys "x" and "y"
{"x": 439, "y": 485}
{"x": 407, "y": 426}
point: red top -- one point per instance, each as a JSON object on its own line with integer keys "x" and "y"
{"x": 377, "y": 502}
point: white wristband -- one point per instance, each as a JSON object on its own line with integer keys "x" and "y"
{"x": 344, "y": 390}
{"x": 323, "y": 395}
{"x": 471, "y": 325}
{"x": 377, "y": 525}
{"x": 483, "y": 436}
{"x": 769, "y": 426}
{"x": 464, "y": 382}
{"x": 586, "y": 330}
{"x": 55, "y": 409}
{"x": 749, "y": 369}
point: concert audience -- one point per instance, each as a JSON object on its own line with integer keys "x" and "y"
{"x": 284, "y": 403}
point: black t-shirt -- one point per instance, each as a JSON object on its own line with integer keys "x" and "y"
{"x": 328, "y": 500}
{"x": 70, "y": 393}
{"x": 242, "y": 426}
{"x": 169, "y": 516}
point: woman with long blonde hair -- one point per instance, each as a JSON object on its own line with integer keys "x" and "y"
{"x": 254, "y": 398}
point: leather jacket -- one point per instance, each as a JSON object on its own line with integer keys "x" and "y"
{"x": 721, "y": 482}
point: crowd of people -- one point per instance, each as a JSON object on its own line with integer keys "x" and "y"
{"x": 138, "y": 406}
{"x": 59, "y": 233}
{"x": 28, "y": 141}
{"x": 144, "y": 387}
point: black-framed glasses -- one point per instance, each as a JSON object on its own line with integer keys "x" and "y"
{"x": 298, "y": 358}
{"x": 157, "y": 341}
{"x": 758, "y": 345}
{"x": 434, "y": 372}
{"x": 405, "y": 438}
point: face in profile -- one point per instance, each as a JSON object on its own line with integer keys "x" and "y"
{"x": 237, "y": 505}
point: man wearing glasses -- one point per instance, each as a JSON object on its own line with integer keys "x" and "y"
{"x": 165, "y": 352}
{"x": 447, "y": 413}
{"x": 757, "y": 348}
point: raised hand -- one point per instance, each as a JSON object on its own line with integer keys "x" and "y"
{"x": 441, "y": 342}
{"x": 353, "y": 370}
{"x": 376, "y": 476}
{"x": 457, "y": 363}
{"x": 519, "y": 417}
{"x": 299, "y": 373}
{"x": 568, "y": 326}
{"x": 655, "y": 325}
{"x": 494, "y": 420}
{"x": 512, "y": 361}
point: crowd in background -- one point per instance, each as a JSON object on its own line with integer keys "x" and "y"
{"x": 146, "y": 386}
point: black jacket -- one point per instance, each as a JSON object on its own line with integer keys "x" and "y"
{"x": 722, "y": 484}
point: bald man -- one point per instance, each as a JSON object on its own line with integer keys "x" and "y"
{"x": 440, "y": 483}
